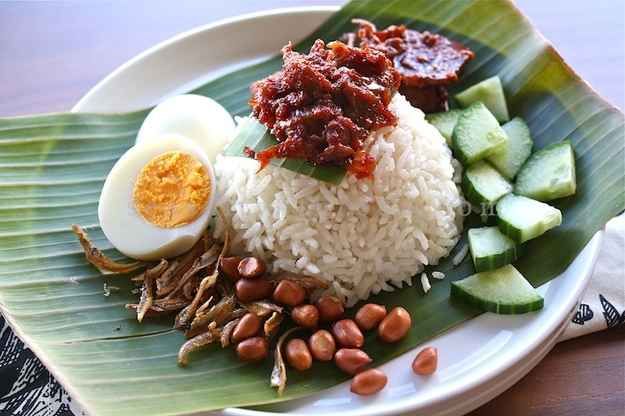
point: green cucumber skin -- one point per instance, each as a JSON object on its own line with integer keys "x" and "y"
{"x": 502, "y": 291}
{"x": 518, "y": 235}
{"x": 522, "y": 235}
{"x": 539, "y": 163}
{"x": 471, "y": 191}
{"x": 509, "y": 160}
{"x": 444, "y": 122}
{"x": 490, "y": 92}
{"x": 500, "y": 309}
{"x": 484, "y": 262}
{"x": 477, "y": 135}
{"x": 511, "y": 231}
{"x": 495, "y": 261}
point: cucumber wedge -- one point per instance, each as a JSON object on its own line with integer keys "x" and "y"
{"x": 482, "y": 183}
{"x": 502, "y": 291}
{"x": 477, "y": 134}
{"x": 490, "y": 92}
{"x": 522, "y": 218}
{"x": 548, "y": 174}
{"x": 490, "y": 249}
{"x": 509, "y": 160}
{"x": 444, "y": 122}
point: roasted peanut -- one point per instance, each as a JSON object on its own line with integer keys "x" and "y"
{"x": 248, "y": 290}
{"x": 425, "y": 362}
{"x": 351, "y": 360}
{"x": 348, "y": 334}
{"x": 306, "y": 316}
{"x": 395, "y": 325}
{"x": 251, "y": 267}
{"x": 289, "y": 293}
{"x": 229, "y": 267}
{"x": 252, "y": 349}
{"x": 322, "y": 345}
{"x": 330, "y": 308}
{"x": 368, "y": 382}
{"x": 298, "y": 355}
{"x": 247, "y": 327}
{"x": 370, "y": 315}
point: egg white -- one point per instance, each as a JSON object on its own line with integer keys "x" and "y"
{"x": 122, "y": 224}
{"x": 198, "y": 118}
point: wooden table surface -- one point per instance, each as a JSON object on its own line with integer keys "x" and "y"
{"x": 53, "y": 52}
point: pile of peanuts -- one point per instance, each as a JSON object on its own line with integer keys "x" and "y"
{"x": 333, "y": 336}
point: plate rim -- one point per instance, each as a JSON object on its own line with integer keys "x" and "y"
{"x": 386, "y": 408}
{"x": 84, "y": 100}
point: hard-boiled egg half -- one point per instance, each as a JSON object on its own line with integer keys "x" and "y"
{"x": 200, "y": 119}
{"x": 158, "y": 198}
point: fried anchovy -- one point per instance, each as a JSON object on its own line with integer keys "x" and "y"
{"x": 181, "y": 319}
{"x": 185, "y": 262}
{"x": 171, "y": 304}
{"x": 153, "y": 312}
{"x": 166, "y": 276}
{"x": 147, "y": 292}
{"x": 206, "y": 305}
{"x": 94, "y": 256}
{"x": 197, "y": 343}
{"x": 309, "y": 283}
{"x": 187, "y": 315}
{"x": 201, "y": 263}
{"x": 161, "y": 306}
{"x": 262, "y": 308}
{"x": 218, "y": 313}
{"x": 190, "y": 288}
{"x": 272, "y": 324}
{"x": 226, "y": 332}
{"x": 278, "y": 374}
{"x": 138, "y": 278}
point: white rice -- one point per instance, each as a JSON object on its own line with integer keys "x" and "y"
{"x": 438, "y": 275}
{"x": 460, "y": 255}
{"x": 425, "y": 283}
{"x": 361, "y": 236}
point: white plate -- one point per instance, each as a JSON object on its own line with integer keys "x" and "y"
{"x": 478, "y": 359}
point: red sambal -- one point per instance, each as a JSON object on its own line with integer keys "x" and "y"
{"x": 427, "y": 62}
{"x": 321, "y": 106}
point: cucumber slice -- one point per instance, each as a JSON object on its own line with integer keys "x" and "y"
{"x": 490, "y": 92}
{"x": 444, "y": 122}
{"x": 509, "y": 160}
{"x": 548, "y": 174}
{"x": 477, "y": 134}
{"x": 522, "y": 218}
{"x": 490, "y": 249}
{"x": 482, "y": 183}
{"x": 502, "y": 291}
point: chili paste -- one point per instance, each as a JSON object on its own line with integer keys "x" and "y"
{"x": 321, "y": 106}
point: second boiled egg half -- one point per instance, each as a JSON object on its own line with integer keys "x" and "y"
{"x": 198, "y": 118}
{"x": 158, "y": 198}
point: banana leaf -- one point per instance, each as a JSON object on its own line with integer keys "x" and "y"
{"x": 255, "y": 135}
{"x": 52, "y": 168}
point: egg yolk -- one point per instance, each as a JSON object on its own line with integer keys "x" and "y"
{"x": 172, "y": 190}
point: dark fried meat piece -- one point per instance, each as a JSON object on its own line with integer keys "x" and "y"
{"x": 422, "y": 58}
{"x": 432, "y": 99}
{"x": 427, "y": 62}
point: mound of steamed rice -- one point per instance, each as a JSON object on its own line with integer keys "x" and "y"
{"x": 361, "y": 236}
